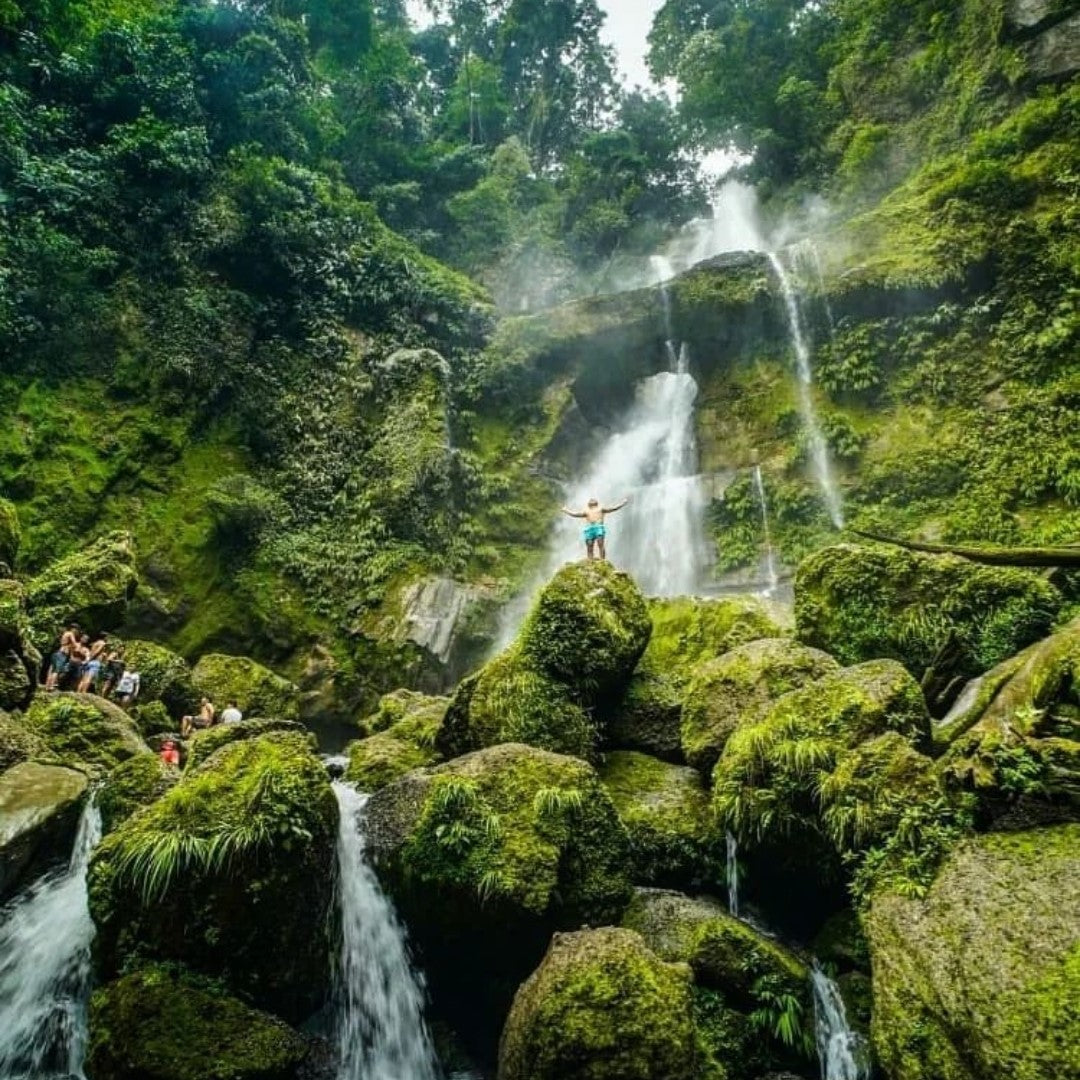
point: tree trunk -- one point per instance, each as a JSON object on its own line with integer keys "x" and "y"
{"x": 991, "y": 556}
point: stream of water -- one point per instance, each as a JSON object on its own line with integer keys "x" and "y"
{"x": 732, "y": 875}
{"x": 841, "y": 1051}
{"x": 381, "y": 1033}
{"x": 770, "y": 555}
{"x": 45, "y": 937}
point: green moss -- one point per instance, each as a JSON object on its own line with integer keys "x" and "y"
{"x": 152, "y": 719}
{"x": 603, "y": 1007}
{"x": 91, "y": 586}
{"x": 409, "y": 705}
{"x": 238, "y": 854}
{"x": 13, "y": 622}
{"x": 204, "y": 744}
{"x": 666, "y": 813}
{"x": 162, "y": 1023}
{"x": 256, "y": 690}
{"x": 83, "y": 730}
{"x": 738, "y": 688}
{"x": 15, "y": 682}
{"x": 18, "y": 742}
{"x": 407, "y": 744}
{"x": 10, "y": 533}
{"x": 133, "y": 783}
{"x": 163, "y": 676}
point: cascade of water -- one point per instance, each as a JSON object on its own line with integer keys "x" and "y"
{"x": 732, "y": 875}
{"x": 819, "y": 451}
{"x": 664, "y": 271}
{"x": 841, "y": 1051}
{"x": 770, "y": 555}
{"x": 45, "y": 937}
{"x": 381, "y": 1034}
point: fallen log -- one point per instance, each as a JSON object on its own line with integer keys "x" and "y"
{"x": 991, "y": 556}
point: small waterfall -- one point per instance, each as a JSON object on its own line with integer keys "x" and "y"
{"x": 732, "y": 875}
{"x": 819, "y": 451}
{"x": 841, "y": 1051}
{"x": 381, "y": 1033}
{"x": 770, "y": 555}
{"x": 664, "y": 271}
{"x": 45, "y": 937}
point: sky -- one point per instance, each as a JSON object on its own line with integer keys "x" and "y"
{"x": 627, "y": 27}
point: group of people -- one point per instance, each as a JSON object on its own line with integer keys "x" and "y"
{"x": 207, "y": 717}
{"x": 92, "y": 666}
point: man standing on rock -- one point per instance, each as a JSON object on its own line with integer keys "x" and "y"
{"x": 595, "y": 531}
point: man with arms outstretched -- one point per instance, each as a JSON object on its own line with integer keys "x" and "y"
{"x": 595, "y": 531}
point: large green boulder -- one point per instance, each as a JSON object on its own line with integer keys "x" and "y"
{"x": 163, "y": 1024}
{"x": 84, "y": 730}
{"x": 601, "y": 1006}
{"x": 665, "y": 809}
{"x": 422, "y": 711}
{"x": 203, "y": 744}
{"x": 927, "y": 611}
{"x": 739, "y": 687}
{"x": 512, "y": 700}
{"x": 134, "y": 783}
{"x": 230, "y": 873}
{"x": 10, "y": 533}
{"x": 17, "y": 742}
{"x": 163, "y": 676}
{"x": 406, "y": 743}
{"x": 980, "y": 979}
{"x": 588, "y": 628}
{"x": 13, "y": 619}
{"x": 16, "y": 685}
{"x": 685, "y": 632}
{"x": 39, "y": 809}
{"x": 91, "y": 586}
{"x": 256, "y": 690}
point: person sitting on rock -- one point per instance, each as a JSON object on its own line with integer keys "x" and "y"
{"x": 595, "y": 531}
{"x": 127, "y": 687}
{"x": 205, "y": 718}
{"x": 170, "y": 754}
{"x": 232, "y": 715}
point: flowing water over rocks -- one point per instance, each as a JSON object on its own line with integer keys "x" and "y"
{"x": 841, "y": 1051}
{"x": 45, "y": 937}
{"x": 381, "y": 1033}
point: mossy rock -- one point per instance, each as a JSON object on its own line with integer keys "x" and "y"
{"x": 16, "y": 685}
{"x": 162, "y": 1023}
{"x": 739, "y": 687}
{"x": 962, "y": 618}
{"x": 163, "y": 676}
{"x": 405, "y": 705}
{"x": 511, "y": 700}
{"x": 686, "y": 632}
{"x": 981, "y": 978}
{"x": 91, "y": 586}
{"x": 10, "y": 532}
{"x": 84, "y": 730}
{"x": 256, "y": 690}
{"x": 152, "y": 718}
{"x": 204, "y": 744}
{"x": 601, "y": 1006}
{"x": 132, "y": 784}
{"x": 18, "y": 743}
{"x": 397, "y": 747}
{"x": 588, "y": 628}
{"x": 665, "y": 809}
{"x": 13, "y": 619}
{"x": 231, "y": 873}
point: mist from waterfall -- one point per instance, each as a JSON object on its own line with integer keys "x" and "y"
{"x": 380, "y": 1028}
{"x": 45, "y": 938}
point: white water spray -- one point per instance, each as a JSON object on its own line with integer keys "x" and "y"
{"x": 381, "y": 1034}
{"x": 770, "y": 555}
{"x": 841, "y": 1051}
{"x": 45, "y": 936}
{"x": 819, "y": 451}
{"x": 732, "y": 875}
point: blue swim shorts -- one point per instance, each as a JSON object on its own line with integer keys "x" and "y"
{"x": 594, "y": 532}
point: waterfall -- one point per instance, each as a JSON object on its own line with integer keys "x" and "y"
{"x": 45, "y": 936}
{"x": 732, "y": 875}
{"x": 381, "y": 1033}
{"x": 819, "y": 451}
{"x": 808, "y": 254}
{"x": 770, "y": 555}
{"x": 664, "y": 271}
{"x": 841, "y": 1051}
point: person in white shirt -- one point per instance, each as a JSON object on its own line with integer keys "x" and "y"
{"x": 232, "y": 715}
{"x": 127, "y": 689}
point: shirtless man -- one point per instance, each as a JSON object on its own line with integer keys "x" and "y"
{"x": 595, "y": 531}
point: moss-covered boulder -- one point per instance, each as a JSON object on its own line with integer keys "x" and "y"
{"x": 84, "y": 730}
{"x": 739, "y": 687}
{"x": 39, "y": 810}
{"x": 132, "y": 784}
{"x": 486, "y": 856}
{"x": 163, "y": 1024}
{"x": 981, "y": 978}
{"x": 10, "y": 533}
{"x": 13, "y": 619}
{"x": 665, "y": 809}
{"x": 601, "y": 1006}
{"x": 17, "y": 742}
{"x": 588, "y": 628}
{"x": 203, "y": 744}
{"x": 153, "y": 719}
{"x": 407, "y": 743}
{"x": 163, "y": 676}
{"x": 940, "y": 611}
{"x": 256, "y": 690}
{"x": 92, "y": 586}
{"x": 230, "y": 873}
{"x": 511, "y": 700}
{"x": 686, "y": 632}
{"x": 16, "y": 685}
